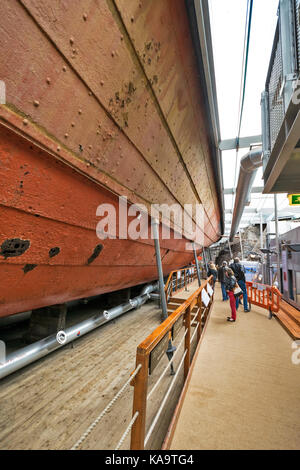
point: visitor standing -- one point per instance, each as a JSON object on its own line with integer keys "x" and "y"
{"x": 221, "y": 277}
{"x": 239, "y": 273}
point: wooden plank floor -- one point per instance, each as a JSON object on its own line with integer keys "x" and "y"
{"x": 50, "y": 403}
{"x": 244, "y": 392}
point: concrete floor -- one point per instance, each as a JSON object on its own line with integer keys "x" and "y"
{"x": 244, "y": 392}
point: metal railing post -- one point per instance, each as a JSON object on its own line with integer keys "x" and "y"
{"x": 197, "y": 265}
{"x": 140, "y": 402}
{"x": 155, "y": 224}
{"x": 277, "y": 243}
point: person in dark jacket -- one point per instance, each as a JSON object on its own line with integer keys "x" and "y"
{"x": 239, "y": 273}
{"x": 212, "y": 272}
{"x": 221, "y": 277}
{"x": 230, "y": 284}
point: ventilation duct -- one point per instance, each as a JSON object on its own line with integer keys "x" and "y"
{"x": 248, "y": 169}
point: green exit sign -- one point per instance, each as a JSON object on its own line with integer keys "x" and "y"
{"x": 294, "y": 199}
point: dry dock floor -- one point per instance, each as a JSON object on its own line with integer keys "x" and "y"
{"x": 244, "y": 391}
{"x": 50, "y": 403}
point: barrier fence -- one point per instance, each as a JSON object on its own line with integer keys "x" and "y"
{"x": 264, "y": 296}
{"x": 191, "y": 313}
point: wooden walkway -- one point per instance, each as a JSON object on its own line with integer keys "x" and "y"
{"x": 244, "y": 389}
{"x": 50, "y": 403}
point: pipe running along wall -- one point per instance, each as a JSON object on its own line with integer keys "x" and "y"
{"x": 248, "y": 169}
{"x": 35, "y": 351}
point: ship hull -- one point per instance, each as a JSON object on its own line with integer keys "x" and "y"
{"x": 102, "y": 100}
{"x": 52, "y": 211}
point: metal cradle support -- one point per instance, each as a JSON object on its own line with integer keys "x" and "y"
{"x": 197, "y": 264}
{"x": 163, "y": 302}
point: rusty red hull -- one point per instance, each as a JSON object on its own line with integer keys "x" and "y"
{"x": 103, "y": 100}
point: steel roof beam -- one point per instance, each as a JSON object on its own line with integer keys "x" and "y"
{"x": 244, "y": 142}
{"x": 255, "y": 190}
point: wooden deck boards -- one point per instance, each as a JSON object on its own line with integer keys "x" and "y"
{"x": 50, "y": 403}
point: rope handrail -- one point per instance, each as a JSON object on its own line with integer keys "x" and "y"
{"x": 153, "y": 424}
{"x": 195, "y": 319}
{"x": 195, "y": 332}
{"x": 121, "y": 441}
{"x": 167, "y": 367}
{"x": 106, "y": 409}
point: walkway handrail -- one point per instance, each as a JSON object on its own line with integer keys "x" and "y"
{"x": 175, "y": 283}
{"x": 144, "y": 350}
{"x": 264, "y": 296}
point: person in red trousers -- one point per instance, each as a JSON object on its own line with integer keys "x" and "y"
{"x": 230, "y": 284}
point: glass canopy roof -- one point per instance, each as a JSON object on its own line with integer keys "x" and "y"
{"x": 227, "y": 25}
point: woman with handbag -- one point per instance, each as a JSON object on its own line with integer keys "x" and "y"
{"x": 232, "y": 289}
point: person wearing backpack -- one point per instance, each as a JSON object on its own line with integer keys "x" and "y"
{"x": 239, "y": 273}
